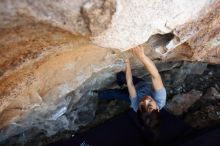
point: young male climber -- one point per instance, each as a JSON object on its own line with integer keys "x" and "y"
{"x": 143, "y": 97}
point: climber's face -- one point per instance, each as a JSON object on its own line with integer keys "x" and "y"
{"x": 148, "y": 104}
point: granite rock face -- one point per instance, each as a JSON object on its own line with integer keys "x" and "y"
{"x": 180, "y": 103}
{"x": 40, "y": 66}
{"x": 49, "y": 61}
{"x": 80, "y": 17}
{"x": 135, "y": 20}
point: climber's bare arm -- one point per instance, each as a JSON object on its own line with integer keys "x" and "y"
{"x": 150, "y": 66}
{"x": 131, "y": 88}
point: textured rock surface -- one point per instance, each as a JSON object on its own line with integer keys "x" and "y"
{"x": 82, "y": 17}
{"x": 123, "y": 24}
{"x": 202, "y": 35}
{"x": 45, "y": 60}
{"x": 180, "y": 103}
{"x": 40, "y": 65}
{"x": 136, "y": 20}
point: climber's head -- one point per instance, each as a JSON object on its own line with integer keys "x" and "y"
{"x": 149, "y": 112}
{"x": 148, "y": 104}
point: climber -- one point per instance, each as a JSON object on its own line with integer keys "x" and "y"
{"x": 143, "y": 97}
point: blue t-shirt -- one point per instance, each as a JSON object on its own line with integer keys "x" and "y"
{"x": 145, "y": 89}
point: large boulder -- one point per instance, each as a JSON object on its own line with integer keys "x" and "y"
{"x": 40, "y": 66}
{"x": 47, "y": 51}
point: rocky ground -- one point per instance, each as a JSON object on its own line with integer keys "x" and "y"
{"x": 193, "y": 94}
